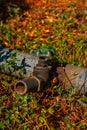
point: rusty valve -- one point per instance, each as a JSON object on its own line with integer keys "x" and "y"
{"x": 35, "y": 83}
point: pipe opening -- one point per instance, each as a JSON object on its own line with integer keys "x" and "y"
{"x": 20, "y": 88}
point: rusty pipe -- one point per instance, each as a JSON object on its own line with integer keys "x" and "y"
{"x": 37, "y": 82}
{"x": 32, "y": 84}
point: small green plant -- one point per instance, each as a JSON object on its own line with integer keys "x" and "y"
{"x": 13, "y": 11}
{"x": 83, "y": 126}
{"x": 43, "y": 112}
{"x": 5, "y": 83}
{"x": 60, "y": 89}
{"x": 51, "y": 111}
{"x": 70, "y": 126}
{"x": 2, "y": 126}
{"x": 72, "y": 91}
{"x": 72, "y": 4}
{"x": 41, "y": 119}
{"x": 2, "y": 98}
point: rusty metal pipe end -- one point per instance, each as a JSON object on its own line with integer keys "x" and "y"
{"x": 29, "y": 85}
{"x": 21, "y": 87}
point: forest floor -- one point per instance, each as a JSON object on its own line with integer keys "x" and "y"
{"x": 60, "y": 25}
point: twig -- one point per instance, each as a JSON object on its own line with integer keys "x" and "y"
{"x": 79, "y": 90}
{"x": 67, "y": 77}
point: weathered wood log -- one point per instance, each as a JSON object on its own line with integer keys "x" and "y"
{"x": 72, "y": 76}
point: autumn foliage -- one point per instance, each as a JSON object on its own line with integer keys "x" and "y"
{"x": 54, "y": 24}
